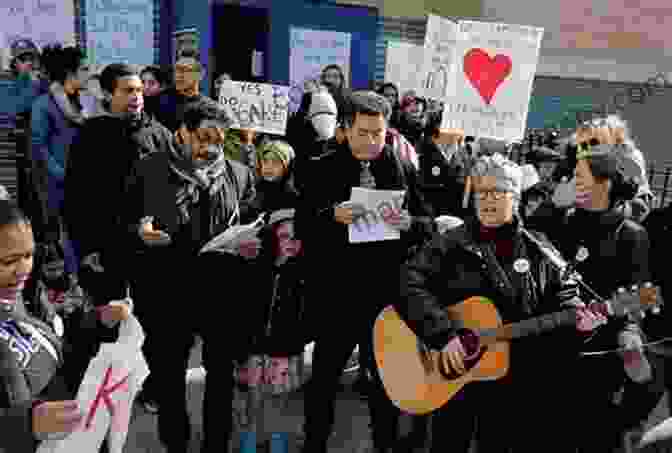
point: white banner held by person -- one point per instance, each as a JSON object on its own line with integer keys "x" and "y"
{"x": 377, "y": 204}
{"x": 403, "y": 66}
{"x": 260, "y": 107}
{"x": 495, "y": 68}
{"x": 106, "y": 394}
{"x": 439, "y": 57}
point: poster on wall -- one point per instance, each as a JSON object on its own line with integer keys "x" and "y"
{"x": 438, "y": 57}
{"x": 260, "y": 107}
{"x": 494, "y": 70}
{"x": 120, "y": 32}
{"x": 42, "y": 22}
{"x": 309, "y": 52}
{"x": 403, "y": 66}
{"x": 185, "y": 40}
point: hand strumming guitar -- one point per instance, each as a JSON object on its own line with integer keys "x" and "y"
{"x": 453, "y": 355}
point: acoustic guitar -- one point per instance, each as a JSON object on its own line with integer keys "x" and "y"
{"x": 417, "y": 380}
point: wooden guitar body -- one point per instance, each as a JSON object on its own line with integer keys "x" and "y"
{"x": 411, "y": 373}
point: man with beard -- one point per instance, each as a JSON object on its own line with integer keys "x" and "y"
{"x": 97, "y": 168}
{"x": 323, "y": 218}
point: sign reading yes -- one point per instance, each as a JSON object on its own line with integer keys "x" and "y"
{"x": 257, "y": 106}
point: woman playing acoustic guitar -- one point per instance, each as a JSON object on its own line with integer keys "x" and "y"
{"x": 492, "y": 257}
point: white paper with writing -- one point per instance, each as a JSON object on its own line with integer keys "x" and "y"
{"x": 378, "y": 203}
{"x": 257, "y": 106}
{"x": 403, "y": 66}
{"x": 438, "y": 57}
{"x": 492, "y": 84}
{"x": 106, "y": 394}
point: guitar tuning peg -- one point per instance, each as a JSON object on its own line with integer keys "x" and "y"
{"x": 648, "y": 285}
{"x": 620, "y": 290}
{"x": 655, "y": 310}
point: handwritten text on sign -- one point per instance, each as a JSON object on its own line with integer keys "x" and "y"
{"x": 495, "y": 67}
{"x": 120, "y": 31}
{"x": 257, "y": 106}
{"x": 42, "y": 21}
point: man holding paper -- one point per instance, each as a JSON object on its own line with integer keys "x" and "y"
{"x": 357, "y": 196}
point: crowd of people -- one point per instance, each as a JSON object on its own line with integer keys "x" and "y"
{"x": 129, "y": 173}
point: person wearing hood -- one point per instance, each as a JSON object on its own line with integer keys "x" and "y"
{"x": 177, "y": 202}
{"x": 311, "y": 129}
{"x": 56, "y": 120}
{"x": 275, "y": 186}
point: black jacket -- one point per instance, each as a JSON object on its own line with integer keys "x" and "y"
{"x": 151, "y": 190}
{"x": 334, "y": 263}
{"x": 274, "y": 195}
{"x": 454, "y": 267}
{"x": 442, "y": 180}
{"x": 98, "y": 165}
{"x": 171, "y": 105}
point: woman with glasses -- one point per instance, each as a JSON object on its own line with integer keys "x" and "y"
{"x": 492, "y": 256}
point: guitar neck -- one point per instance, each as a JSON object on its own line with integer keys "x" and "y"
{"x": 532, "y": 326}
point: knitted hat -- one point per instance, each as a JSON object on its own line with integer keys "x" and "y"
{"x": 278, "y": 150}
{"x": 508, "y": 175}
{"x": 322, "y": 102}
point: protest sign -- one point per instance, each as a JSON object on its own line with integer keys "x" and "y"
{"x": 309, "y": 52}
{"x": 438, "y": 57}
{"x": 41, "y": 21}
{"x": 495, "y": 67}
{"x": 378, "y": 204}
{"x": 120, "y": 31}
{"x": 403, "y": 66}
{"x": 106, "y": 394}
{"x": 260, "y": 107}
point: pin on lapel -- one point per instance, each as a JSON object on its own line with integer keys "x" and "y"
{"x": 521, "y": 265}
{"x": 582, "y": 254}
{"x": 436, "y": 171}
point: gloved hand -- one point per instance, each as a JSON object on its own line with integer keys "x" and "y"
{"x": 587, "y": 320}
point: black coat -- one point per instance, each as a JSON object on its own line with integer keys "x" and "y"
{"x": 441, "y": 182}
{"x": 98, "y": 165}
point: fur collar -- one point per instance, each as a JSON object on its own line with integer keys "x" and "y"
{"x": 61, "y": 99}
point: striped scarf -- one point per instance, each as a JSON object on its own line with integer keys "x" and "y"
{"x": 210, "y": 178}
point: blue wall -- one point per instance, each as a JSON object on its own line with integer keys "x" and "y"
{"x": 189, "y": 14}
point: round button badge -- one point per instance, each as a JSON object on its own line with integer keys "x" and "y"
{"x": 436, "y": 171}
{"x": 521, "y": 265}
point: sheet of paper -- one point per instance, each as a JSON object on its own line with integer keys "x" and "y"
{"x": 378, "y": 203}
{"x": 106, "y": 394}
{"x": 228, "y": 240}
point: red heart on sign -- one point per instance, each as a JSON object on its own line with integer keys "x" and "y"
{"x": 486, "y": 73}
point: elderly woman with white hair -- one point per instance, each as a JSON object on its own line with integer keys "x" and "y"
{"x": 493, "y": 257}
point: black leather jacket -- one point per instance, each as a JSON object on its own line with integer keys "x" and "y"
{"x": 455, "y": 265}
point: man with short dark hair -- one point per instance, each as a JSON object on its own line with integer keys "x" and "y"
{"x": 187, "y": 77}
{"x": 354, "y": 278}
{"x": 97, "y": 167}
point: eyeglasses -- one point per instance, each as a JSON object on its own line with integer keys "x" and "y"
{"x": 496, "y": 194}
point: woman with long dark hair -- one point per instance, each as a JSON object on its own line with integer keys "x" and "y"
{"x": 36, "y": 398}
{"x": 55, "y": 123}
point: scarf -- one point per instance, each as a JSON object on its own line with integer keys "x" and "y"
{"x": 209, "y": 178}
{"x": 67, "y": 104}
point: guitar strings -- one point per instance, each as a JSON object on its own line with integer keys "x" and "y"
{"x": 622, "y": 349}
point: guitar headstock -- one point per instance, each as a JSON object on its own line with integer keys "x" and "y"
{"x": 636, "y": 301}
